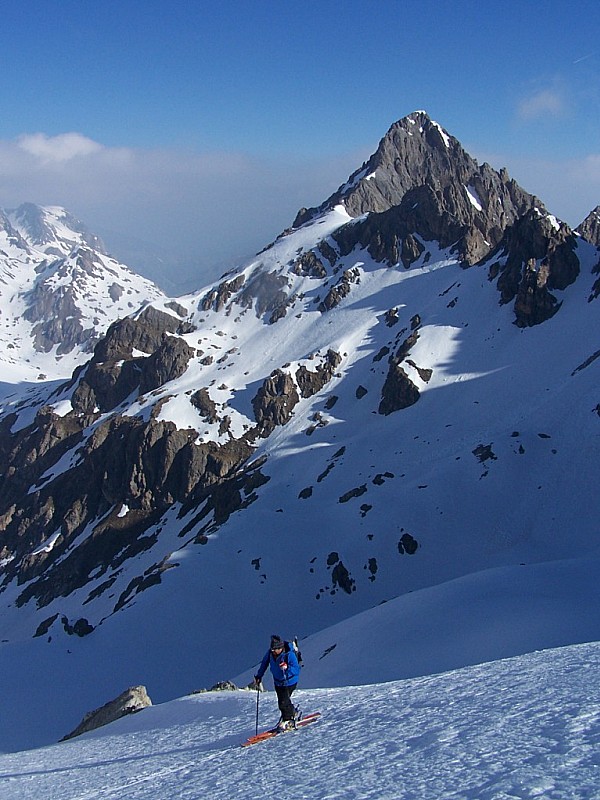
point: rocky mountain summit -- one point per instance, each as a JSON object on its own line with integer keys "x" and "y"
{"x": 421, "y": 185}
{"x": 53, "y": 230}
{"x": 424, "y": 173}
{"x": 400, "y": 390}
{"x": 590, "y": 227}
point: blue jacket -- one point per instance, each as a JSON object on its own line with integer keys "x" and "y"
{"x": 285, "y": 668}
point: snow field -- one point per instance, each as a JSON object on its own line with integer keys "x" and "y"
{"x": 523, "y": 728}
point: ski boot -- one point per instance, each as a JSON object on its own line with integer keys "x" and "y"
{"x": 285, "y": 725}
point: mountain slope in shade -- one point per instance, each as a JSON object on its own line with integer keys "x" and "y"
{"x": 60, "y": 292}
{"x": 373, "y": 405}
{"x": 590, "y": 231}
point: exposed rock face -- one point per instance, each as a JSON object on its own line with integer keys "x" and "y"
{"x": 113, "y": 374}
{"x": 219, "y": 297}
{"x": 590, "y": 227}
{"x": 462, "y": 196}
{"x": 312, "y": 382}
{"x": 590, "y": 231}
{"x": 407, "y": 544}
{"x": 310, "y": 265}
{"x": 13, "y": 236}
{"x": 145, "y": 465}
{"x": 145, "y": 333}
{"x": 207, "y": 407}
{"x": 534, "y": 303}
{"x": 535, "y": 257}
{"x": 104, "y": 386}
{"x": 130, "y": 701}
{"x": 390, "y": 235}
{"x": 340, "y": 290}
{"x": 275, "y": 401}
{"x": 399, "y": 391}
{"x": 57, "y": 319}
{"x": 264, "y": 291}
{"x": 232, "y": 488}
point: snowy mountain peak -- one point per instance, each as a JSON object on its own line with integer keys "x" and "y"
{"x": 53, "y": 230}
{"x": 417, "y": 162}
{"x": 61, "y": 291}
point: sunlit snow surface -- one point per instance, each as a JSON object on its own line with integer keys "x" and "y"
{"x": 527, "y": 727}
{"x": 480, "y": 586}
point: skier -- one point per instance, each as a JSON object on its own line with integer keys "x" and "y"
{"x": 281, "y": 658}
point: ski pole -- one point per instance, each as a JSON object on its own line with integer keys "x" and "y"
{"x": 257, "y": 699}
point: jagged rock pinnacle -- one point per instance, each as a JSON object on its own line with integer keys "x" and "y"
{"x": 590, "y": 227}
{"x": 418, "y": 152}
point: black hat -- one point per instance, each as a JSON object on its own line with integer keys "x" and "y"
{"x": 276, "y": 642}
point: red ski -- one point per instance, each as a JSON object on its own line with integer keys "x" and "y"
{"x": 270, "y": 734}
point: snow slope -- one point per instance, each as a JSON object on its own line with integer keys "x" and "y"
{"x": 471, "y": 515}
{"x": 528, "y": 727}
{"x": 269, "y": 568}
{"x": 490, "y": 615}
{"x": 479, "y": 617}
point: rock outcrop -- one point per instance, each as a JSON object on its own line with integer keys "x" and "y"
{"x": 590, "y": 227}
{"x": 310, "y": 382}
{"x": 340, "y": 289}
{"x": 131, "y": 701}
{"x": 398, "y": 390}
{"x": 536, "y": 256}
{"x": 114, "y": 372}
{"x": 590, "y": 231}
{"x": 274, "y": 402}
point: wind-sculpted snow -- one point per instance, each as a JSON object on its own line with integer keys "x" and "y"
{"x": 527, "y": 727}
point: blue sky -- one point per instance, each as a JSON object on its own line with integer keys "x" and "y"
{"x": 201, "y": 127}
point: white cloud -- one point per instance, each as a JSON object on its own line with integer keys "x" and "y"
{"x": 543, "y": 103}
{"x": 198, "y": 209}
{"x": 61, "y": 148}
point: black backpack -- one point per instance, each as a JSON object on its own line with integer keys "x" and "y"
{"x": 293, "y": 645}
